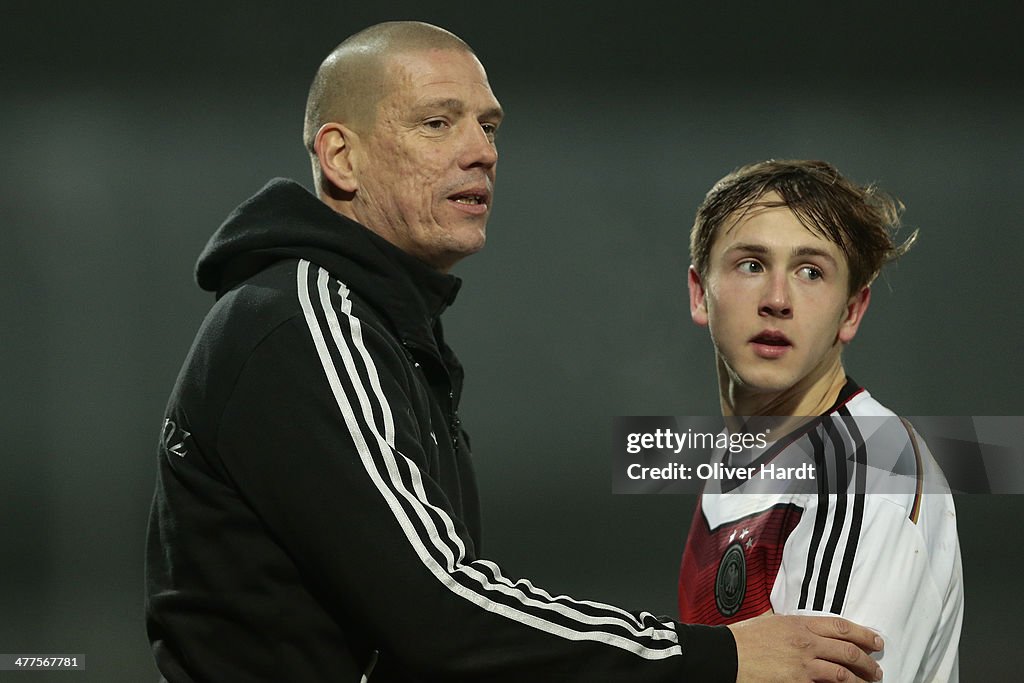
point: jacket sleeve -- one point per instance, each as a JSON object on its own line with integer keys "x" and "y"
{"x": 320, "y": 437}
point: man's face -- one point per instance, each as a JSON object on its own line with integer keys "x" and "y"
{"x": 776, "y": 301}
{"x": 425, "y": 169}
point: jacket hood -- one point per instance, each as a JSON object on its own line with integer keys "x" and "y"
{"x": 284, "y": 220}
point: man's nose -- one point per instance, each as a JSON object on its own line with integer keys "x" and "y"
{"x": 478, "y": 149}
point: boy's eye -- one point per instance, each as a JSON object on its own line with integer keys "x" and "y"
{"x": 751, "y": 267}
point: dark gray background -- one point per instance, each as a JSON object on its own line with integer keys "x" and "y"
{"x": 128, "y": 134}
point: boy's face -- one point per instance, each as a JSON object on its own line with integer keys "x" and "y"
{"x": 776, "y": 301}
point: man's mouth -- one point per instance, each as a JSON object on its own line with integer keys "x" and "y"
{"x": 471, "y": 196}
{"x": 469, "y": 199}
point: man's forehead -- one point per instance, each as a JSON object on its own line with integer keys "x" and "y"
{"x": 447, "y": 79}
{"x": 425, "y": 67}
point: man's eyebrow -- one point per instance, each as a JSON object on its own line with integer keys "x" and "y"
{"x": 455, "y": 105}
{"x": 450, "y": 103}
{"x": 496, "y": 113}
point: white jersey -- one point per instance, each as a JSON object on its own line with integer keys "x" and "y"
{"x": 889, "y": 560}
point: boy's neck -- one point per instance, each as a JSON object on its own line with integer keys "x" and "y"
{"x": 811, "y": 396}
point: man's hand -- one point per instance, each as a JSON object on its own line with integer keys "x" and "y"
{"x": 776, "y": 648}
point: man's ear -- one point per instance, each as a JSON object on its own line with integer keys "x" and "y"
{"x": 334, "y": 145}
{"x": 698, "y": 298}
{"x": 856, "y": 307}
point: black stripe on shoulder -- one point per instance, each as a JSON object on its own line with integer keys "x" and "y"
{"x": 821, "y": 515}
{"x": 857, "y": 521}
{"x": 839, "y": 518}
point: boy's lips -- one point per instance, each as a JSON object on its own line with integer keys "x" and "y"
{"x": 770, "y": 344}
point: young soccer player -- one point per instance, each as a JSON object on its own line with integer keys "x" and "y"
{"x": 844, "y": 511}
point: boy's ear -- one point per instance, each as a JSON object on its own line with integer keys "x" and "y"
{"x": 856, "y": 307}
{"x": 698, "y": 297}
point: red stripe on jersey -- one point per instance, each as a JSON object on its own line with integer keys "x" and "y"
{"x": 708, "y": 593}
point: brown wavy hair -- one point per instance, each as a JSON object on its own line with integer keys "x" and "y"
{"x": 861, "y": 219}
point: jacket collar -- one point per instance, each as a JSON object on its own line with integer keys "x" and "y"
{"x": 283, "y": 220}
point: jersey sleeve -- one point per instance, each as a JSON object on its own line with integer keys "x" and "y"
{"x": 863, "y": 557}
{"x": 323, "y": 440}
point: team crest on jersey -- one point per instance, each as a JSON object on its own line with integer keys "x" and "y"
{"x": 731, "y": 582}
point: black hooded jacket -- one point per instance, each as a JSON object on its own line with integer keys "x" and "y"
{"x": 316, "y": 514}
